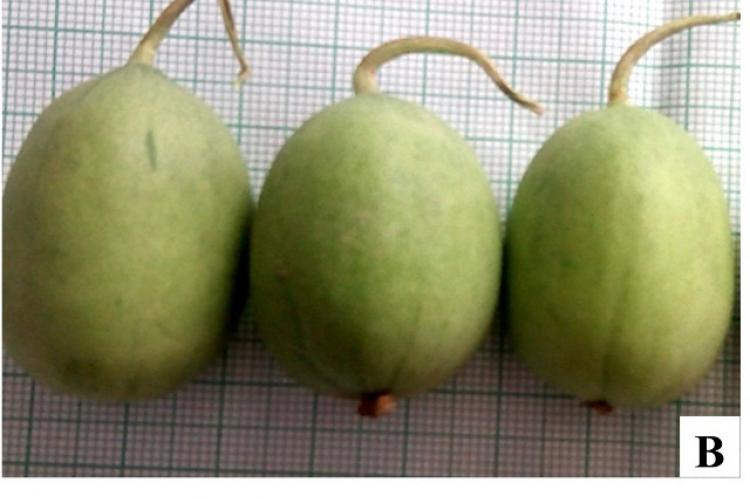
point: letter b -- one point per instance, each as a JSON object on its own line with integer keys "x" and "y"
{"x": 704, "y": 451}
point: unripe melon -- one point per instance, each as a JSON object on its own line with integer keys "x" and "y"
{"x": 376, "y": 251}
{"x": 125, "y": 221}
{"x": 620, "y": 265}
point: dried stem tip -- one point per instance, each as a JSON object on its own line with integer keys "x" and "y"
{"x": 364, "y": 76}
{"x": 376, "y": 404}
{"x": 618, "y": 86}
{"x": 229, "y": 26}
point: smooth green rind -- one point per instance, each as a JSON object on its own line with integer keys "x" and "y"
{"x": 126, "y": 218}
{"x": 620, "y": 265}
{"x": 376, "y": 250}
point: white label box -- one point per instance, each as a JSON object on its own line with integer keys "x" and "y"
{"x": 710, "y": 446}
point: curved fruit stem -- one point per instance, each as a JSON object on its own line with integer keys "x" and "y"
{"x": 376, "y": 404}
{"x": 145, "y": 52}
{"x": 618, "y": 86}
{"x": 364, "y": 75}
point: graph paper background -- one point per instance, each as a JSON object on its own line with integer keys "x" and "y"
{"x": 243, "y": 417}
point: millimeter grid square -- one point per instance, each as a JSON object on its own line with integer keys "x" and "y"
{"x": 243, "y": 416}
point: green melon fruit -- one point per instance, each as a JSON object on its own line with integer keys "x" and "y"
{"x": 125, "y": 222}
{"x": 619, "y": 257}
{"x": 376, "y": 249}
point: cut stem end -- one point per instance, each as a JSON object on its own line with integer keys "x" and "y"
{"x": 378, "y": 404}
{"x": 600, "y": 406}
